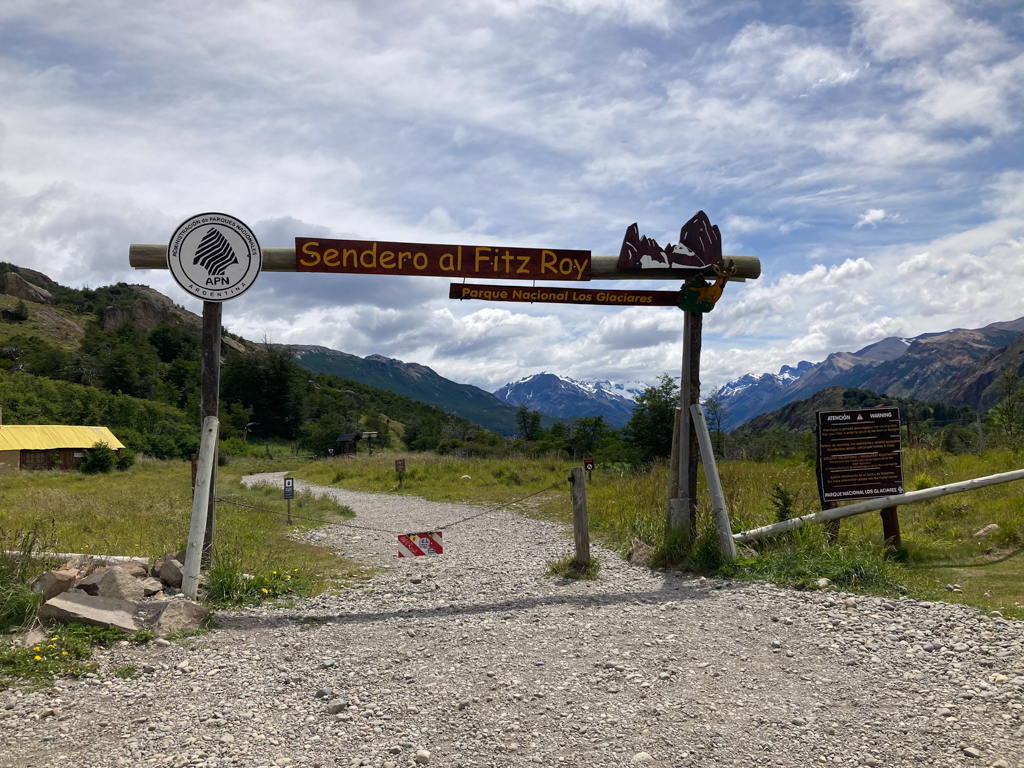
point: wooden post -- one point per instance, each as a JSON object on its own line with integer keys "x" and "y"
{"x": 209, "y": 404}
{"x": 707, "y": 452}
{"x": 673, "y": 465}
{"x": 580, "y": 523}
{"x": 890, "y": 527}
{"x": 195, "y": 464}
{"x": 200, "y": 503}
{"x": 289, "y": 511}
{"x": 696, "y": 327}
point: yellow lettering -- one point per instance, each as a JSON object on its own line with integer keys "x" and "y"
{"x": 524, "y": 263}
{"x": 460, "y": 259}
{"x": 387, "y": 259}
{"x": 373, "y": 258}
{"x": 406, "y": 255}
{"x": 480, "y": 256}
{"x": 447, "y": 262}
{"x": 580, "y": 266}
{"x": 330, "y": 258}
{"x": 308, "y": 250}
{"x": 416, "y": 260}
{"x": 547, "y": 261}
{"x": 349, "y": 252}
{"x": 508, "y": 257}
{"x": 565, "y": 266}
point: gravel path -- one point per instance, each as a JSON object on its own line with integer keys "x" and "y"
{"x": 481, "y": 659}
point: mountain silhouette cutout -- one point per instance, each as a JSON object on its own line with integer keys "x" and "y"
{"x": 215, "y": 253}
{"x": 699, "y": 246}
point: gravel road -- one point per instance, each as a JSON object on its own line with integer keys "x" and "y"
{"x": 479, "y": 658}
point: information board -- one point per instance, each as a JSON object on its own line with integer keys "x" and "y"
{"x": 289, "y": 488}
{"x": 860, "y": 454}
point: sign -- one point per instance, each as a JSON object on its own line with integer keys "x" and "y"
{"x": 377, "y": 257}
{"x": 399, "y": 466}
{"x": 420, "y": 544}
{"x": 586, "y": 296}
{"x": 699, "y": 247}
{"x": 289, "y": 488}
{"x": 214, "y": 257}
{"x": 588, "y": 464}
{"x": 859, "y": 454}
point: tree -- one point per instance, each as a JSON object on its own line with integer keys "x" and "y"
{"x": 650, "y": 427}
{"x": 528, "y": 422}
{"x": 585, "y": 435}
{"x": 1008, "y": 414}
{"x": 270, "y": 383}
{"x": 717, "y": 416}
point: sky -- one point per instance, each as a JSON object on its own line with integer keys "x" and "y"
{"x": 869, "y": 153}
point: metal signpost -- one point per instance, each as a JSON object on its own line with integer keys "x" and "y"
{"x": 289, "y": 494}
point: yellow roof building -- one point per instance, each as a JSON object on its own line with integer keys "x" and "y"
{"x": 38, "y": 437}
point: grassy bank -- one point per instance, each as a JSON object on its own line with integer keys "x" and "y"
{"x": 145, "y": 512}
{"x": 939, "y": 545}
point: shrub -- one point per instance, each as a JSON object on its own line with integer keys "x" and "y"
{"x": 99, "y": 458}
{"x": 127, "y": 460}
{"x": 784, "y": 502}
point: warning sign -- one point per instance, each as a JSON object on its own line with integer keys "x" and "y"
{"x": 289, "y": 488}
{"x": 860, "y": 454}
{"x": 419, "y": 544}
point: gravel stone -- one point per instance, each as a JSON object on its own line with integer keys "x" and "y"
{"x": 639, "y": 661}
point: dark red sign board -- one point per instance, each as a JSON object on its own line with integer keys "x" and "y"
{"x": 860, "y": 454}
{"x": 588, "y": 464}
{"x": 399, "y": 466}
{"x": 377, "y": 257}
{"x": 586, "y": 296}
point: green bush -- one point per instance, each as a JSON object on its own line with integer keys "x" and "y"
{"x": 99, "y": 458}
{"x": 18, "y": 564}
{"x": 127, "y": 459}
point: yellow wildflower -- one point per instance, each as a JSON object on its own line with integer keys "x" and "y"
{"x": 39, "y": 658}
{"x": 37, "y": 648}
{"x": 265, "y": 591}
{"x": 64, "y": 653}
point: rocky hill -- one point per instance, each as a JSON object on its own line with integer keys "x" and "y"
{"x": 567, "y": 398}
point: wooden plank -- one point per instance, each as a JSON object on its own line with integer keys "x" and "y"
{"x": 707, "y": 454}
{"x": 873, "y": 504}
{"x": 154, "y": 256}
{"x": 891, "y": 527}
{"x": 580, "y": 521}
{"x": 194, "y": 550}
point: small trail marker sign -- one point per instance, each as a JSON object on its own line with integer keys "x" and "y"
{"x": 420, "y": 544}
{"x": 588, "y": 464}
{"x": 859, "y": 454}
{"x": 289, "y": 488}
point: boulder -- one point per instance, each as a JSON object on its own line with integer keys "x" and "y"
{"x": 988, "y": 529}
{"x": 84, "y": 564}
{"x": 137, "y": 569}
{"x": 151, "y": 586}
{"x": 52, "y": 583}
{"x": 78, "y": 607}
{"x": 113, "y": 582}
{"x": 169, "y": 570}
{"x": 20, "y": 288}
{"x": 180, "y": 616}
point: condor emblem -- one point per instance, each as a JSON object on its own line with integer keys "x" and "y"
{"x": 214, "y": 257}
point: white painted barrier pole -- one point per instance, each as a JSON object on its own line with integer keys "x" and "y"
{"x": 860, "y": 508}
{"x": 200, "y": 504}
{"x": 707, "y": 455}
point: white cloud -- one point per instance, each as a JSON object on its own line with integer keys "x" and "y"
{"x": 873, "y": 216}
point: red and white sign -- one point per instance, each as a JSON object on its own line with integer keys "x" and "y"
{"x": 419, "y": 544}
{"x": 588, "y": 464}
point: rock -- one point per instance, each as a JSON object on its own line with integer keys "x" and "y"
{"x": 34, "y": 636}
{"x": 466, "y": 477}
{"x": 325, "y": 693}
{"x": 972, "y": 752}
{"x": 990, "y": 528}
{"x": 1000, "y": 763}
{"x": 83, "y": 564}
{"x": 336, "y": 706}
{"x": 180, "y": 616}
{"x": 151, "y": 586}
{"x": 161, "y": 642}
{"x": 422, "y": 757}
{"x": 850, "y": 602}
{"x": 169, "y": 570}
{"x": 52, "y": 583}
{"x": 643, "y": 757}
{"x": 641, "y": 553}
{"x": 113, "y": 582}
{"x": 137, "y": 569}
{"x": 78, "y": 607}
{"x": 20, "y": 288}
{"x": 823, "y": 583}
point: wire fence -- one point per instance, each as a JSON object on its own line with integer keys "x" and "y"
{"x": 494, "y": 508}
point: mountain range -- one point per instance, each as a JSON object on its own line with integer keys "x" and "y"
{"x": 567, "y": 398}
{"x": 955, "y": 367}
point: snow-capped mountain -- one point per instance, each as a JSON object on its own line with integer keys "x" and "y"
{"x": 744, "y": 397}
{"x": 569, "y": 399}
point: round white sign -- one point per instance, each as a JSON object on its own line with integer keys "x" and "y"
{"x": 214, "y": 257}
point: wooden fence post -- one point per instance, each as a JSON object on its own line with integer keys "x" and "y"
{"x": 714, "y": 485}
{"x": 580, "y": 522}
{"x": 891, "y": 526}
{"x": 210, "y": 406}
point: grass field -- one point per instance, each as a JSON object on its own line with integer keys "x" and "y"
{"x": 145, "y": 512}
{"x": 939, "y": 546}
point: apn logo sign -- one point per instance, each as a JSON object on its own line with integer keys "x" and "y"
{"x": 214, "y": 257}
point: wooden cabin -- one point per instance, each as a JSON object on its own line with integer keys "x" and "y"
{"x": 37, "y": 446}
{"x": 347, "y": 443}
